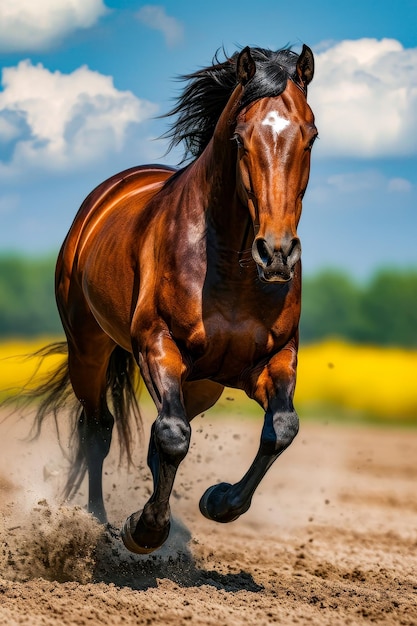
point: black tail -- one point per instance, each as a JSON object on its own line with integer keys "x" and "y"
{"x": 55, "y": 394}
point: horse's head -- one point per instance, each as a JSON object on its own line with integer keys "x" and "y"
{"x": 274, "y": 137}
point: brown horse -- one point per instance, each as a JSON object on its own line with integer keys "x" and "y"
{"x": 195, "y": 276}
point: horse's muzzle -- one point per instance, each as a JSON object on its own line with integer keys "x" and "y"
{"x": 276, "y": 264}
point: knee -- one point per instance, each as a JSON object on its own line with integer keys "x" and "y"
{"x": 279, "y": 431}
{"x": 172, "y": 437}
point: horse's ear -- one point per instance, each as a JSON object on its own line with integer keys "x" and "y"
{"x": 305, "y": 65}
{"x": 245, "y": 67}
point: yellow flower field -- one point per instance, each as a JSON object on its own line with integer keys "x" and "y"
{"x": 18, "y": 367}
{"x": 334, "y": 379}
{"x": 366, "y": 380}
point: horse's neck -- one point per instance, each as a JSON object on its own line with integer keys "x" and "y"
{"x": 228, "y": 231}
{"x": 211, "y": 182}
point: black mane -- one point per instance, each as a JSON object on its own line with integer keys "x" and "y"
{"x": 204, "y": 97}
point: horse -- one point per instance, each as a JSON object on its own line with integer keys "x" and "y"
{"x": 191, "y": 279}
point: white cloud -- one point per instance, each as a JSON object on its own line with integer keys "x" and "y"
{"x": 61, "y": 121}
{"x": 364, "y": 96}
{"x": 354, "y": 182}
{"x": 155, "y": 17}
{"x": 399, "y": 185}
{"x": 356, "y": 188}
{"x": 36, "y": 24}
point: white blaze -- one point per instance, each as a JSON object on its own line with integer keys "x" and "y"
{"x": 276, "y": 122}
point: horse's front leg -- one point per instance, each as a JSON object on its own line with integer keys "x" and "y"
{"x": 274, "y": 390}
{"x": 162, "y": 369}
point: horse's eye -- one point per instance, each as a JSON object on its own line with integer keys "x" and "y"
{"x": 311, "y": 142}
{"x": 238, "y": 140}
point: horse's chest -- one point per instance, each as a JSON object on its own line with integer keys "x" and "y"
{"x": 227, "y": 348}
{"x": 232, "y": 331}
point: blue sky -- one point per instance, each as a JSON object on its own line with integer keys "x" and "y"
{"x": 83, "y": 80}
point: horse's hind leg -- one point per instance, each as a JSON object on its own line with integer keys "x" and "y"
{"x": 88, "y": 362}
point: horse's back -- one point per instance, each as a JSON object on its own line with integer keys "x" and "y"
{"x": 138, "y": 184}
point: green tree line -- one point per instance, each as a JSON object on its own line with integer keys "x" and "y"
{"x": 383, "y": 310}
{"x": 27, "y": 297}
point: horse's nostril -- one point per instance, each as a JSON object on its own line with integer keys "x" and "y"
{"x": 280, "y": 259}
{"x": 294, "y": 250}
{"x": 264, "y": 252}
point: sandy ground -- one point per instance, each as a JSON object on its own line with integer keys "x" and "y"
{"x": 331, "y": 537}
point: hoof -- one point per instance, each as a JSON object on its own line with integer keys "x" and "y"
{"x": 139, "y": 538}
{"x": 214, "y": 506}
